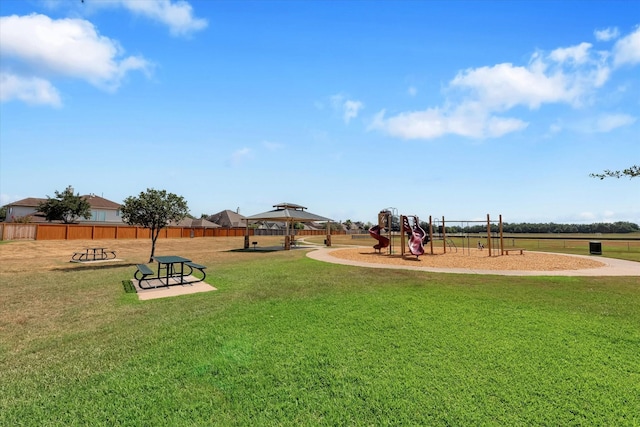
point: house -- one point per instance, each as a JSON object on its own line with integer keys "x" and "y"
{"x": 228, "y": 219}
{"x": 102, "y": 210}
{"x": 195, "y": 223}
{"x": 24, "y": 208}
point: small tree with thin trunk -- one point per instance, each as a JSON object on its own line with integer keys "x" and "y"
{"x": 66, "y": 207}
{"x": 154, "y": 209}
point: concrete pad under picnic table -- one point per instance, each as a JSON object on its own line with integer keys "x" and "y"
{"x": 174, "y": 288}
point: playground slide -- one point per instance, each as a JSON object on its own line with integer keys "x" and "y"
{"x": 416, "y": 237}
{"x": 383, "y": 242}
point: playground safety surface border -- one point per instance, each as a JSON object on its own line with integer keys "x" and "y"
{"x": 610, "y": 266}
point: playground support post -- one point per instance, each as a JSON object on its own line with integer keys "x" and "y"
{"x": 402, "y": 235}
{"x": 501, "y": 237}
{"x": 489, "y": 234}
{"x": 430, "y": 234}
{"x": 444, "y": 236}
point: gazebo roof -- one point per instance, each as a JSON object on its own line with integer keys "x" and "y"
{"x": 287, "y": 212}
{"x": 285, "y": 205}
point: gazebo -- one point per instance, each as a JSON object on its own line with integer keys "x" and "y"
{"x": 288, "y": 213}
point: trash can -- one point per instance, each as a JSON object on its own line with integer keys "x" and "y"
{"x": 595, "y": 248}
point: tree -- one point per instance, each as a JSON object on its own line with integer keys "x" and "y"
{"x": 66, "y": 207}
{"x": 154, "y": 209}
{"x": 632, "y": 172}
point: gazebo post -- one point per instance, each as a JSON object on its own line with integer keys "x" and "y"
{"x": 246, "y": 234}
{"x": 287, "y": 241}
{"x": 328, "y": 241}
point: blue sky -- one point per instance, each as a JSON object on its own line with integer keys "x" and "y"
{"x": 444, "y": 108}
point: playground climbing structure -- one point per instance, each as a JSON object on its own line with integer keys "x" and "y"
{"x": 415, "y": 235}
{"x": 384, "y": 223}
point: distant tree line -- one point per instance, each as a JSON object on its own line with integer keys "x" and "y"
{"x": 620, "y": 227}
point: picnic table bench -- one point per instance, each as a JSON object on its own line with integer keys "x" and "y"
{"x": 93, "y": 254}
{"x": 171, "y": 270}
{"x": 521, "y": 250}
{"x": 193, "y": 266}
{"x": 143, "y": 270}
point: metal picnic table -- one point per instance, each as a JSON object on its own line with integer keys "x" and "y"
{"x": 168, "y": 264}
{"x": 93, "y": 254}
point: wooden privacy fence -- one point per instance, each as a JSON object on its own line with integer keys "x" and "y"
{"x": 14, "y": 231}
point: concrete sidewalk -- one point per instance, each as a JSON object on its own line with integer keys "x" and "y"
{"x": 612, "y": 267}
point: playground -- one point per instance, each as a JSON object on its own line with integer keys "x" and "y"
{"x": 475, "y": 260}
{"x": 531, "y": 264}
{"x": 437, "y": 251}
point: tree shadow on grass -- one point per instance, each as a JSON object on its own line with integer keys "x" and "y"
{"x": 257, "y": 250}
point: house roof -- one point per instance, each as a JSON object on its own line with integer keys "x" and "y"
{"x": 228, "y": 218}
{"x": 96, "y": 202}
{"x": 31, "y": 202}
{"x": 196, "y": 223}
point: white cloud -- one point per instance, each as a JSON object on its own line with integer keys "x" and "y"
{"x": 504, "y": 86}
{"x": 434, "y": 123}
{"x": 578, "y": 54}
{"x": 45, "y": 48}
{"x": 478, "y": 97}
{"x": 608, "y": 122}
{"x": 31, "y": 90}
{"x": 555, "y": 128}
{"x": 272, "y": 146}
{"x": 602, "y": 123}
{"x": 627, "y": 49}
{"x": 587, "y": 216}
{"x": 349, "y": 108}
{"x": 178, "y": 16}
{"x": 606, "y": 34}
{"x": 239, "y": 156}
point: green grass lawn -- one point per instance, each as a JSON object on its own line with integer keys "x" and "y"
{"x": 291, "y": 341}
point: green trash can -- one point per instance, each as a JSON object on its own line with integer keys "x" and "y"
{"x": 595, "y": 248}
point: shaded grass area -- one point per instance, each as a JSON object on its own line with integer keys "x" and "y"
{"x": 290, "y": 341}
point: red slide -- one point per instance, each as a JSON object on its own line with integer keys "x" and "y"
{"x": 383, "y": 242}
{"x": 416, "y": 236}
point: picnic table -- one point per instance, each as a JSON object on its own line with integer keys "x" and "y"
{"x": 93, "y": 254}
{"x": 171, "y": 270}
